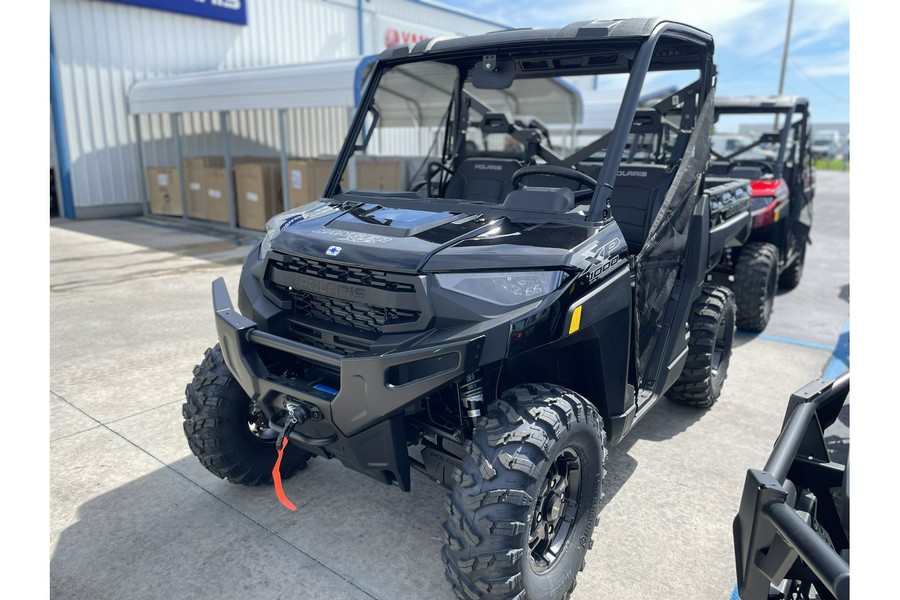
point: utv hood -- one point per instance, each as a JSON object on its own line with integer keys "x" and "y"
{"x": 416, "y": 240}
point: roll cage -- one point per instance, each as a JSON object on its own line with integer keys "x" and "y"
{"x": 632, "y": 46}
{"x": 792, "y": 133}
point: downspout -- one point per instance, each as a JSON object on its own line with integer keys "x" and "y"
{"x": 62, "y": 140}
{"x": 359, "y": 25}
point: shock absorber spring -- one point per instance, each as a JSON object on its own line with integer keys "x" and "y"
{"x": 471, "y": 396}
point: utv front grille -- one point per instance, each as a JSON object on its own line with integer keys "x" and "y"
{"x": 344, "y": 308}
{"x": 351, "y": 314}
{"x": 346, "y": 274}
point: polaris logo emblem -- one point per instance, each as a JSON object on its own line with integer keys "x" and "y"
{"x": 484, "y": 167}
{"x": 632, "y": 174}
{"x": 333, "y": 250}
{"x": 332, "y": 289}
{"x": 353, "y": 237}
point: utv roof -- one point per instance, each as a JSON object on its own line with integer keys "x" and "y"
{"x": 761, "y": 104}
{"x": 579, "y": 31}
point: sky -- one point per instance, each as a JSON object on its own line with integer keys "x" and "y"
{"x": 749, "y": 37}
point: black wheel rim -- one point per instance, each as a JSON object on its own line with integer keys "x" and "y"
{"x": 719, "y": 349}
{"x": 556, "y": 510}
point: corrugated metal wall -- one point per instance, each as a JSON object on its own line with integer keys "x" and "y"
{"x": 102, "y": 48}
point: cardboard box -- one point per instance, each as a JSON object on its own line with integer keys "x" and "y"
{"x": 215, "y": 184}
{"x": 164, "y": 191}
{"x": 307, "y": 178}
{"x": 258, "y": 192}
{"x": 300, "y": 182}
{"x": 322, "y": 168}
{"x": 195, "y": 168}
{"x": 380, "y": 173}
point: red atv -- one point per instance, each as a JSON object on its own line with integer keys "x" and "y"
{"x": 772, "y": 151}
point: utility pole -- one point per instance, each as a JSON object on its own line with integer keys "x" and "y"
{"x": 787, "y": 42}
{"x": 784, "y": 56}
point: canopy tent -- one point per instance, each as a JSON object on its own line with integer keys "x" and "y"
{"x": 339, "y": 84}
{"x": 308, "y": 85}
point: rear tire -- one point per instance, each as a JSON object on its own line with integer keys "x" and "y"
{"x": 709, "y": 349}
{"x": 522, "y": 512}
{"x": 755, "y": 284}
{"x": 230, "y": 441}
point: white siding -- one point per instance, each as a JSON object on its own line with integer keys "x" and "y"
{"x": 102, "y": 48}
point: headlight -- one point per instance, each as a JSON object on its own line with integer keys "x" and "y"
{"x": 277, "y": 223}
{"x": 505, "y": 289}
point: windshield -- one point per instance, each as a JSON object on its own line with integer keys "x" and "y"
{"x": 474, "y": 128}
{"x": 738, "y": 137}
{"x": 769, "y": 141}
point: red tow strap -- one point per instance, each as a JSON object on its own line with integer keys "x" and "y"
{"x": 276, "y": 477}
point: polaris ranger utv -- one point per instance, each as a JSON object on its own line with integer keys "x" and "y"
{"x": 498, "y": 323}
{"x": 780, "y": 167}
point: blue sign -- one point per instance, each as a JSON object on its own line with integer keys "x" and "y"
{"x": 231, "y": 11}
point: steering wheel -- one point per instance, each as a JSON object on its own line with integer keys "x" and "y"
{"x": 555, "y": 171}
{"x": 431, "y": 170}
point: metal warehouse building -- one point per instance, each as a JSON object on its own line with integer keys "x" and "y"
{"x": 103, "y": 141}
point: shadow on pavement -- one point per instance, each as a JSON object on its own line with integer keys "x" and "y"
{"x": 157, "y": 234}
{"x": 664, "y": 421}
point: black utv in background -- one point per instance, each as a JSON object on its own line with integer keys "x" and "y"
{"x": 499, "y": 320}
{"x": 780, "y": 166}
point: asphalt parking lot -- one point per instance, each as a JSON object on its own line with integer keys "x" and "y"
{"x": 134, "y": 515}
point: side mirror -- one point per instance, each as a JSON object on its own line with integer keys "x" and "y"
{"x": 493, "y": 74}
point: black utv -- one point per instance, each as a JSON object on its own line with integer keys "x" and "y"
{"x": 777, "y": 160}
{"x": 516, "y": 306}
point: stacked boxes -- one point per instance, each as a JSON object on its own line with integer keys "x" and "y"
{"x": 215, "y": 186}
{"x": 381, "y": 173}
{"x": 258, "y": 192}
{"x": 195, "y": 174}
{"x": 164, "y": 191}
{"x": 307, "y": 178}
{"x": 300, "y": 181}
{"x": 257, "y": 185}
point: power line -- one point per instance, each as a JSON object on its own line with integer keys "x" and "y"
{"x": 816, "y": 83}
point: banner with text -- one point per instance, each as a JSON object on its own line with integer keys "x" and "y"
{"x": 394, "y": 32}
{"x": 230, "y": 11}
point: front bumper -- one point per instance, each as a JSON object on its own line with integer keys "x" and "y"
{"x": 362, "y": 423}
{"x": 785, "y": 506}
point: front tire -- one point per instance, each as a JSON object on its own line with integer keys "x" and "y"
{"x": 230, "y": 441}
{"x": 709, "y": 349}
{"x": 522, "y": 513}
{"x": 755, "y": 284}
